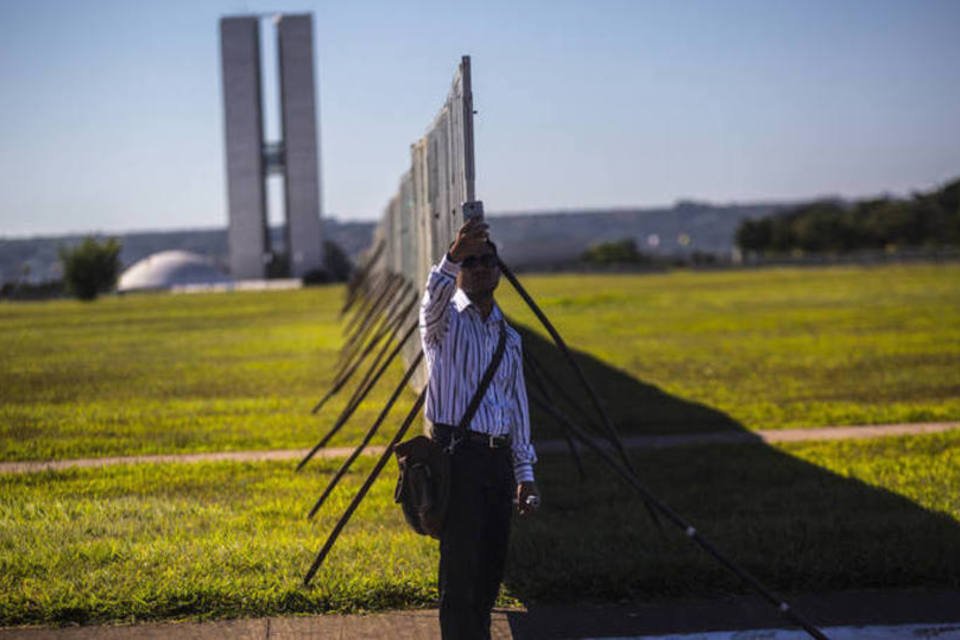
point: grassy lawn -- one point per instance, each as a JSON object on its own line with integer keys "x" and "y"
{"x": 673, "y": 352}
{"x": 770, "y": 348}
{"x": 229, "y": 539}
{"x": 762, "y": 349}
{"x": 161, "y": 373}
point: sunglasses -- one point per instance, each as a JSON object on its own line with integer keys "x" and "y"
{"x": 486, "y": 260}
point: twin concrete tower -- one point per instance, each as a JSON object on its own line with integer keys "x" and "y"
{"x": 250, "y": 159}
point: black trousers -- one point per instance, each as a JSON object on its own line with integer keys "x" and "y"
{"x": 473, "y": 544}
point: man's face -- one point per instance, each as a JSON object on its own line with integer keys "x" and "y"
{"x": 479, "y": 273}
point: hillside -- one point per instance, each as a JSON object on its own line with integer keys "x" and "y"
{"x": 548, "y": 239}
{"x": 527, "y": 240}
{"x": 36, "y": 258}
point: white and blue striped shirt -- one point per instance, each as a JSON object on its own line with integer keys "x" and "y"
{"x": 459, "y": 344}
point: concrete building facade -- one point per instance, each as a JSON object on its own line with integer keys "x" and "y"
{"x": 243, "y": 141}
{"x": 299, "y": 122}
{"x": 249, "y": 158}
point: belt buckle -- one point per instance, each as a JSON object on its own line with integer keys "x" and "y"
{"x": 452, "y": 445}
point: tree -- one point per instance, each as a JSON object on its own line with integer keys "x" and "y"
{"x": 336, "y": 261}
{"x": 755, "y": 235}
{"x": 337, "y": 266}
{"x": 618, "y": 252}
{"x": 820, "y": 226}
{"x": 931, "y": 219}
{"x": 91, "y": 267}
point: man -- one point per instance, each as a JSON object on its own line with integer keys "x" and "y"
{"x": 460, "y": 327}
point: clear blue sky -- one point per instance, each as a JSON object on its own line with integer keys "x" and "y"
{"x": 110, "y": 112}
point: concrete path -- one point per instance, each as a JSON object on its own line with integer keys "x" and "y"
{"x": 550, "y": 446}
{"x": 933, "y": 610}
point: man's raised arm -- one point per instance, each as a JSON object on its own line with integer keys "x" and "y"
{"x": 442, "y": 280}
{"x": 441, "y": 285}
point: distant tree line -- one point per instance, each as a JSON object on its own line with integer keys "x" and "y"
{"x": 616, "y": 252}
{"x": 924, "y": 220}
{"x": 89, "y": 269}
{"x": 92, "y": 267}
{"x": 624, "y": 253}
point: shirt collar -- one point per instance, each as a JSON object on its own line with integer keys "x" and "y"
{"x": 461, "y": 301}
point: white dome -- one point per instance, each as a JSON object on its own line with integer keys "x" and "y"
{"x": 168, "y": 269}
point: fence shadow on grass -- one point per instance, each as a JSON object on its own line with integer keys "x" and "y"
{"x": 797, "y": 526}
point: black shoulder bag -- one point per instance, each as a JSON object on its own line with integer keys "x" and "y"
{"x": 423, "y": 488}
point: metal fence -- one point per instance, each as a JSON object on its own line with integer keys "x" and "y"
{"x": 421, "y": 219}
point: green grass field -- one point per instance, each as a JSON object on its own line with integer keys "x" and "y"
{"x": 773, "y": 348}
{"x": 769, "y": 349}
{"x": 158, "y": 373}
{"x": 229, "y": 539}
{"x": 673, "y": 352}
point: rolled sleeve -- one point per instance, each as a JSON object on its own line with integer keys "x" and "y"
{"x": 524, "y": 457}
{"x": 448, "y": 267}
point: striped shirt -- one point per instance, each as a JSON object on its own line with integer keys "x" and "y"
{"x": 459, "y": 344}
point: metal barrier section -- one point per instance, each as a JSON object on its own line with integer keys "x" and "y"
{"x": 421, "y": 219}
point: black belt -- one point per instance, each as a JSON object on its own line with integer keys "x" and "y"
{"x": 442, "y": 433}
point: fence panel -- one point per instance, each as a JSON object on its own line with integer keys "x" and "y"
{"x": 420, "y": 220}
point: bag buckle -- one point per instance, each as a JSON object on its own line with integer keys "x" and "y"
{"x": 453, "y": 443}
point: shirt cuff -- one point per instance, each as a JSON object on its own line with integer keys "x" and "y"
{"x": 449, "y": 267}
{"x": 523, "y": 472}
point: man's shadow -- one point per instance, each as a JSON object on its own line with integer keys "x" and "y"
{"x": 797, "y": 526}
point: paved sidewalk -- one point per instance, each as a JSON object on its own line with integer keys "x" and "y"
{"x": 549, "y": 446}
{"x": 574, "y": 621}
{"x": 412, "y": 625}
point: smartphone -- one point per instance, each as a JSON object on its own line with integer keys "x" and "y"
{"x": 472, "y": 209}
